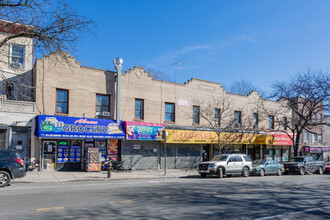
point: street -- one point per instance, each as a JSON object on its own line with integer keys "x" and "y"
{"x": 191, "y": 197}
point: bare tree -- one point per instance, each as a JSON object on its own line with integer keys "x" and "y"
{"x": 243, "y": 87}
{"x": 306, "y": 94}
{"x": 221, "y": 118}
{"x": 158, "y": 74}
{"x": 45, "y": 26}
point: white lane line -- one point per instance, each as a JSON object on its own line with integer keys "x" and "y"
{"x": 292, "y": 213}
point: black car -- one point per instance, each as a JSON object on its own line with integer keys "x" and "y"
{"x": 11, "y": 166}
{"x": 304, "y": 164}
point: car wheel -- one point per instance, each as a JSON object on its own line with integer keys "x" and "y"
{"x": 279, "y": 172}
{"x": 246, "y": 172}
{"x": 4, "y": 178}
{"x": 262, "y": 172}
{"x": 320, "y": 171}
{"x": 302, "y": 171}
{"x": 220, "y": 173}
{"x": 203, "y": 175}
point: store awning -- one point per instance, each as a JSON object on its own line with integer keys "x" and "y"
{"x": 209, "y": 137}
{"x": 50, "y": 126}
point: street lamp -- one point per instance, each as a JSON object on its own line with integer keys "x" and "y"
{"x": 118, "y": 65}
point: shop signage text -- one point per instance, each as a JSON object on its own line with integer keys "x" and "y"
{"x": 71, "y": 127}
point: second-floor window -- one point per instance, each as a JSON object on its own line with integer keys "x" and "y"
{"x": 271, "y": 122}
{"x": 9, "y": 91}
{"x": 169, "y": 112}
{"x": 62, "y": 101}
{"x": 196, "y": 114}
{"x": 320, "y": 139}
{"x": 238, "y": 118}
{"x": 217, "y": 116}
{"x": 139, "y": 109}
{"x": 103, "y": 105}
{"x": 17, "y": 56}
{"x": 255, "y": 120}
{"x": 306, "y": 137}
{"x": 314, "y": 118}
{"x": 320, "y": 118}
{"x": 285, "y": 123}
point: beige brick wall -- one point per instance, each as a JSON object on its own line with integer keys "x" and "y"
{"x": 83, "y": 83}
{"x": 136, "y": 83}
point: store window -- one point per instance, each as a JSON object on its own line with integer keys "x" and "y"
{"x": 255, "y": 120}
{"x": 238, "y": 118}
{"x": 217, "y": 116}
{"x": 139, "y": 109}
{"x": 103, "y": 105}
{"x": 196, "y": 114}
{"x": 169, "y": 112}
{"x": 62, "y": 101}
{"x": 17, "y": 56}
{"x": 271, "y": 122}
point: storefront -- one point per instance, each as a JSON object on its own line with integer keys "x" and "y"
{"x": 70, "y": 143}
{"x": 196, "y": 145}
{"x": 141, "y": 149}
{"x": 318, "y": 152}
{"x": 278, "y": 147}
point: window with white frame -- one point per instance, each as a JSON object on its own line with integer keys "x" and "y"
{"x": 238, "y": 118}
{"x": 320, "y": 139}
{"x": 306, "y": 137}
{"x": 314, "y": 139}
{"x": 271, "y": 122}
{"x": 314, "y": 118}
{"x": 17, "y": 56}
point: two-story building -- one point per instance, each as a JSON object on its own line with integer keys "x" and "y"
{"x": 17, "y": 108}
{"x": 75, "y": 107}
{"x": 189, "y": 112}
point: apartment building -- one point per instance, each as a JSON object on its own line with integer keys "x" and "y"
{"x": 17, "y": 108}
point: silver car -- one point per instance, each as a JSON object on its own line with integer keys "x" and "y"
{"x": 226, "y": 164}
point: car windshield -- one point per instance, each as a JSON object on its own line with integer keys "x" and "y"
{"x": 258, "y": 162}
{"x": 220, "y": 158}
{"x": 297, "y": 160}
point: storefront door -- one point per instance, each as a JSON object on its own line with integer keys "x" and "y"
{"x": 49, "y": 157}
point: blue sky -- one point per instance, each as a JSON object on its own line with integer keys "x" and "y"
{"x": 222, "y": 41}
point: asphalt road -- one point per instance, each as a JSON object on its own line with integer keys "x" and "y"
{"x": 269, "y": 197}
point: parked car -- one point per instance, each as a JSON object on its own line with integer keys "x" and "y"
{"x": 265, "y": 167}
{"x": 226, "y": 164}
{"x": 304, "y": 164}
{"x": 327, "y": 167}
{"x": 11, "y": 166}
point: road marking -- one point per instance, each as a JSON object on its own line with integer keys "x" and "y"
{"x": 169, "y": 197}
{"x": 120, "y": 202}
{"x": 211, "y": 193}
{"x": 292, "y": 213}
{"x": 49, "y": 209}
{"x": 281, "y": 187}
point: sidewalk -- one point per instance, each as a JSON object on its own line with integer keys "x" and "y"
{"x": 58, "y": 176}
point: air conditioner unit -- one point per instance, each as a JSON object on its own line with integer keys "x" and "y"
{"x": 105, "y": 114}
{"x": 17, "y": 65}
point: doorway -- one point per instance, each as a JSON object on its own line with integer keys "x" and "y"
{"x": 206, "y": 152}
{"x": 49, "y": 156}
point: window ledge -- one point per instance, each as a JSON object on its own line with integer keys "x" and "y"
{"x": 139, "y": 120}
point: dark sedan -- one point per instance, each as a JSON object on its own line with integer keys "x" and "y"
{"x": 327, "y": 167}
{"x": 265, "y": 167}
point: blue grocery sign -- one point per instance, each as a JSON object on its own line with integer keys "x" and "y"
{"x": 71, "y": 127}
